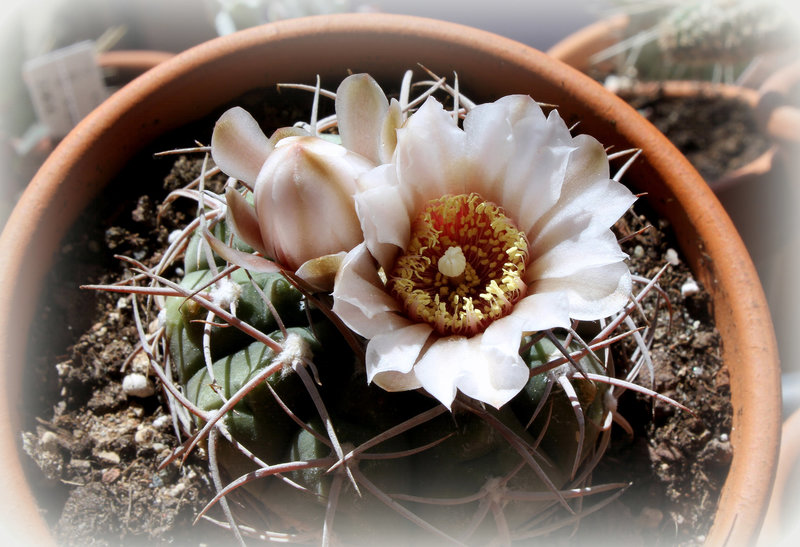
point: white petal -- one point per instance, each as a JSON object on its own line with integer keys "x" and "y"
{"x": 391, "y": 123}
{"x": 578, "y": 214}
{"x": 385, "y": 220}
{"x": 535, "y": 312}
{"x": 390, "y": 357}
{"x": 360, "y": 299}
{"x": 304, "y": 199}
{"x": 490, "y": 142}
{"x": 488, "y": 129}
{"x": 458, "y": 363}
{"x": 586, "y": 184}
{"x": 562, "y": 221}
{"x": 365, "y": 324}
{"x": 283, "y": 132}
{"x": 497, "y": 380}
{"x": 430, "y": 154}
{"x": 361, "y": 108}
{"x": 593, "y": 292}
{"x": 536, "y": 170}
{"x": 238, "y": 146}
{"x": 242, "y": 218}
{"x": 571, "y": 255}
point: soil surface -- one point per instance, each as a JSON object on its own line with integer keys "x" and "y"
{"x": 717, "y": 135}
{"x": 95, "y": 452}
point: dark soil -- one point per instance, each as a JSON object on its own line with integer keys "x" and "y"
{"x": 676, "y": 462}
{"x": 717, "y": 135}
{"x": 95, "y": 452}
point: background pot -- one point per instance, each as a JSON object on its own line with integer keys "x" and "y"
{"x": 776, "y": 117}
{"x": 122, "y": 66}
{"x": 762, "y": 196}
{"x": 196, "y": 82}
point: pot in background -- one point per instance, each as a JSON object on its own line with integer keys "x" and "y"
{"x": 763, "y": 196}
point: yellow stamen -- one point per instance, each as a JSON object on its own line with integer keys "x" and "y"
{"x": 463, "y": 267}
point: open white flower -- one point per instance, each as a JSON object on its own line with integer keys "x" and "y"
{"x": 304, "y": 215}
{"x": 475, "y": 237}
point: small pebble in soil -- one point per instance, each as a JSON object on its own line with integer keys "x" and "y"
{"x": 161, "y": 421}
{"x": 137, "y": 385}
{"x": 690, "y": 287}
{"x": 144, "y": 435}
{"x": 671, "y": 256}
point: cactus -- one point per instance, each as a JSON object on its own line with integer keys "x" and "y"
{"x": 467, "y": 449}
{"x": 274, "y": 383}
{"x": 714, "y": 39}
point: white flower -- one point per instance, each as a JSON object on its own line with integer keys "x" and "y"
{"x": 474, "y": 238}
{"x": 304, "y": 215}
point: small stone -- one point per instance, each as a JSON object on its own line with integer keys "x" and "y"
{"x": 108, "y": 457}
{"x": 717, "y": 452}
{"x": 161, "y": 421}
{"x": 690, "y": 287}
{"x": 140, "y": 363}
{"x": 144, "y": 435}
{"x": 63, "y": 368}
{"x": 81, "y": 465}
{"x": 49, "y": 442}
{"x": 137, "y": 385}
{"x": 671, "y": 256}
{"x": 110, "y": 475}
{"x": 638, "y": 251}
{"x": 176, "y": 490}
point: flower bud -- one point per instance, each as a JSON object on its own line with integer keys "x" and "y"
{"x": 304, "y": 199}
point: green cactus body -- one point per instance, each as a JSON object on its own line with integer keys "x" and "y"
{"x": 257, "y": 421}
{"x": 559, "y": 440}
{"x": 474, "y": 454}
{"x": 184, "y": 318}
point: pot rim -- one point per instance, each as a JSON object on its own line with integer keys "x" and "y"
{"x": 51, "y": 203}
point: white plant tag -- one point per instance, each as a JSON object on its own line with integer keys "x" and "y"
{"x": 64, "y": 86}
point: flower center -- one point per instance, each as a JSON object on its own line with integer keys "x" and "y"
{"x": 463, "y": 266}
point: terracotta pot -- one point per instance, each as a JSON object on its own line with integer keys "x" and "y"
{"x": 197, "y": 81}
